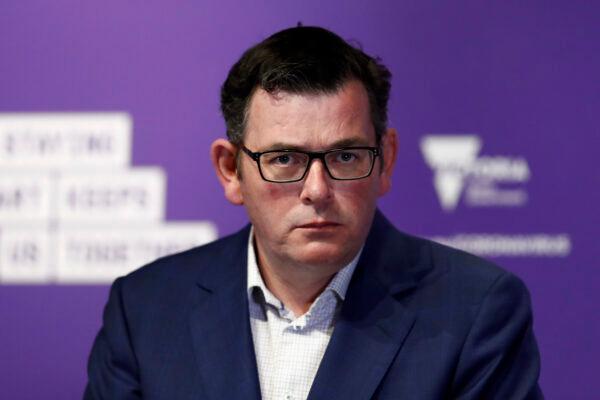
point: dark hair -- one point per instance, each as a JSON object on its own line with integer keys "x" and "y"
{"x": 302, "y": 60}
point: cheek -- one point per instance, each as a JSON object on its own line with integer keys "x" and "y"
{"x": 357, "y": 204}
{"x": 270, "y": 201}
{"x": 275, "y": 191}
{"x": 258, "y": 192}
{"x": 358, "y": 194}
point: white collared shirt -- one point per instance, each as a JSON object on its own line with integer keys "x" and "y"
{"x": 289, "y": 349}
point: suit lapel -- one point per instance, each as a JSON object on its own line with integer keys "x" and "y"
{"x": 220, "y": 327}
{"x": 374, "y": 321}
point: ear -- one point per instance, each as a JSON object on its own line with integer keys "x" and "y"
{"x": 223, "y": 156}
{"x": 389, "y": 147}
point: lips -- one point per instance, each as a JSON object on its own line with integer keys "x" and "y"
{"x": 319, "y": 225}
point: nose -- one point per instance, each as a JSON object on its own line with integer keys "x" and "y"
{"x": 316, "y": 189}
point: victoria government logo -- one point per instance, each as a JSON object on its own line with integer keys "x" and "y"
{"x": 481, "y": 180}
{"x": 462, "y": 175}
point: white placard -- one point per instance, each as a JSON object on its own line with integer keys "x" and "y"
{"x": 65, "y": 140}
{"x": 112, "y": 197}
{"x": 24, "y": 255}
{"x": 101, "y": 255}
{"x": 25, "y": 197}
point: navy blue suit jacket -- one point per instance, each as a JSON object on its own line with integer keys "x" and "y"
{"x": 420, "y": 321}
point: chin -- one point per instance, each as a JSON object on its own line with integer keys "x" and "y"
{"x": 325, "y": 254}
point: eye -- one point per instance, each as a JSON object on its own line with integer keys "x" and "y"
{"x": 283, "y": 159}
{"x": 346, "y": 157}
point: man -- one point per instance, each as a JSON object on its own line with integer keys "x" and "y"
{"x": 321, "y": 297}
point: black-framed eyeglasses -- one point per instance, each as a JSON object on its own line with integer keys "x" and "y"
{"x": 288, "y": 165}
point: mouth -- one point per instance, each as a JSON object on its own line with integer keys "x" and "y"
{"x": 319, "y": 225}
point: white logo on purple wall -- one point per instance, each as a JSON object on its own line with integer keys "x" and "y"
{"x": 484, "y": 180}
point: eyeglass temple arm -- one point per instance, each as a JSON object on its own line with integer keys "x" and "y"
{"x": 254, "y": 156}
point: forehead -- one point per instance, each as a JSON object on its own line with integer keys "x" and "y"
{"x": 311, "y": 121}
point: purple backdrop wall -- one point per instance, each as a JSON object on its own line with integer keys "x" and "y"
{"x": 520, "y": 76}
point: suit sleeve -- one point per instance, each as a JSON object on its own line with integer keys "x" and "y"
{"x": 500, "y": 358}
{"x": 112, "y": 365}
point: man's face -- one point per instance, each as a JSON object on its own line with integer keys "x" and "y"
{"x": 318, "y": 221}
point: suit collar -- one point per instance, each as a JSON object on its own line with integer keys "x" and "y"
{"x": 227, "y": 262}
{"x": 398, "y": 262}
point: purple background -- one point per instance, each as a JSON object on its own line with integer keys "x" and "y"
{"x": 521, "y": 74}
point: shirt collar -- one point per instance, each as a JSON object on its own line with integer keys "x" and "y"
{"x": 338, "y": 285}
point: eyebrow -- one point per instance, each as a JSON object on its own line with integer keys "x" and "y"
{"x": 347, "y": 142}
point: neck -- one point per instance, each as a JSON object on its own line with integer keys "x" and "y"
{"x": 295, "y": 289}
{"x": 296, "y": 286}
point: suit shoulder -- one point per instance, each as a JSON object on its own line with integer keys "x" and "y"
{"x": 464, "y": 263}
{"x": 454, "y": 268}
{"x": 455, "y": 284}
